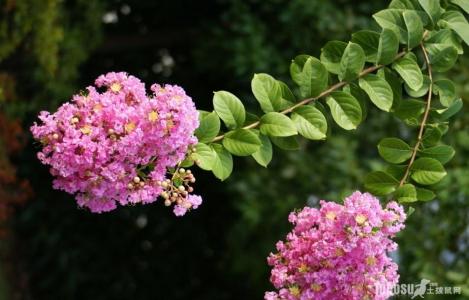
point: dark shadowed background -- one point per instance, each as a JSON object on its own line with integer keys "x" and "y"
{"x": 49, "y": 49}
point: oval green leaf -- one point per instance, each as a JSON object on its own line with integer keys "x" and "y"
{"x": 204, "y": 156}
{"x": 267, "y": 91}
{"x": 379, "y": 91}
{"x": 277, "y": 124}
{"x": 427, "y": 171}
{"x": 263, "y": 156}
{"x": 352, "y": 62}
{"x": 241, "y": 142}
{"x": 394, "y": 150}
{"x": 229, "y": 108}
{"x": 410, "y": 71}
{"x": 331, "y": 55}
{"x": 209, "y": 127}
{"x": 310, "y": 122}
{"x": 380, "y": 183}
{"x": 345, "y": 109}
{"x": 222, "y": 163}
{"x": 388, "y": 47}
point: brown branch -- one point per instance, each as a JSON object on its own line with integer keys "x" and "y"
{"x": 326, "y": 93}
{"x": 424, "y": 119}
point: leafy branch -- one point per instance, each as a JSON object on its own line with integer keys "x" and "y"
{"x": 384, "y": 68}
{"x": 424, "y": 119}
{"x": 326, "y": 93}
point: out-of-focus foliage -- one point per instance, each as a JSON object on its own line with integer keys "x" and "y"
{"x": 219, "y": 251}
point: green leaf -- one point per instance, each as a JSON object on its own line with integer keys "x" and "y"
{"x": 378, "y": 90}
{"x": 209, "y": 127}
{"x": 388, "y": 47}
{"x": 446, "y": 90}
{"x": 462, "y": 3}
{"x": 406, "y": 193}
{"x": 380, "y": 183}
{"x": 250, "y": 118}
{"x": 352, "y": 62}
{"x": 288, "y": 99}
{"x": 402, "y": 4}
{"x": 396, "y": 171}
{"x": 445, "y": 36}
{"x": 431, "y": 137}
{"x": 392, "y": 19}
{"x": 286, "y": 143}
{"x": 369, "y": 41}
{"x": 311, "y": 76}
{"x": 204, "y": 156}
{"x": 186, "y": 163}
{"x": 410, "y": 71}
{"x": 241, "y": 142}
{"x": 360, "y": 95}
{"x": 267, "y": 91}
{"x": 331, "y": 55}
{"x": 442, "y": 56}
{"x": 425, "y": 195}
{"x": 457, "y": 22}
{"x": 432, "y": 8}
{"x": 427, "y": 171}
{"x": 229, "y": 108}
{"x": 345, "y": 110}
{"x": 442, "y": 153}
{"x": 310, "y": 122}
{"x": 414, "y": 28}
{"x": 277, "y": 124}
{"x": 263, "y": 156}
{"x": 394, "y": 150}
{"x": 454, "y": 108}
{"x": 223, "y": 162}
{"x": 410, "y": 109}
{"x": 410, "y": 211}
{"x": 422, "y": 91}
{"x": 395, "y": 82}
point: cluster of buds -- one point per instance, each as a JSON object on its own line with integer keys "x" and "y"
{"x": 177, "y": 191}
{"x": 136, "y": 183}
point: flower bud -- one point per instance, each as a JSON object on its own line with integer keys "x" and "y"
{"x": 136, "y": 179}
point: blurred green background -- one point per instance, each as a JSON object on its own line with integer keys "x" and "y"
{"x": 49, "y": 49}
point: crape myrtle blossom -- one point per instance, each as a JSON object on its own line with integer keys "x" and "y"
{"x": 114, "y": 144}
{"x": 338, "y": 251}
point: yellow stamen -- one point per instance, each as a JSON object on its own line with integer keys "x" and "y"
{"x": 294, "y": 290}
{"x": 360, "y": 219}
{"x": 371, "y": 260}
{"x": 316, "y": 287}
{"x": 330, "y": 215}
{"x": 129, "y": 127}
{"x": 153, "y": 116}
{"x": 303, "y": 268}
{"x": 116, "y": 87}
{"x": 86, "y": 129}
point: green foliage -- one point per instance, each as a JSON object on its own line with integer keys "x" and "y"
{"x": 345, "y": 110}
{"x": 230, "y": 109}
{"x": 394, "y": 150}
{"x": 413, "y": 40}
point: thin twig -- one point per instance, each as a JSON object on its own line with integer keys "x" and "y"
{"x": 326, "y": 93}
{"x": 424, "y": 119}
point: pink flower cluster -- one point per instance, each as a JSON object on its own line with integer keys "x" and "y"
{"x": 114, "y": 143}
{"x": 338, "y": 252}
